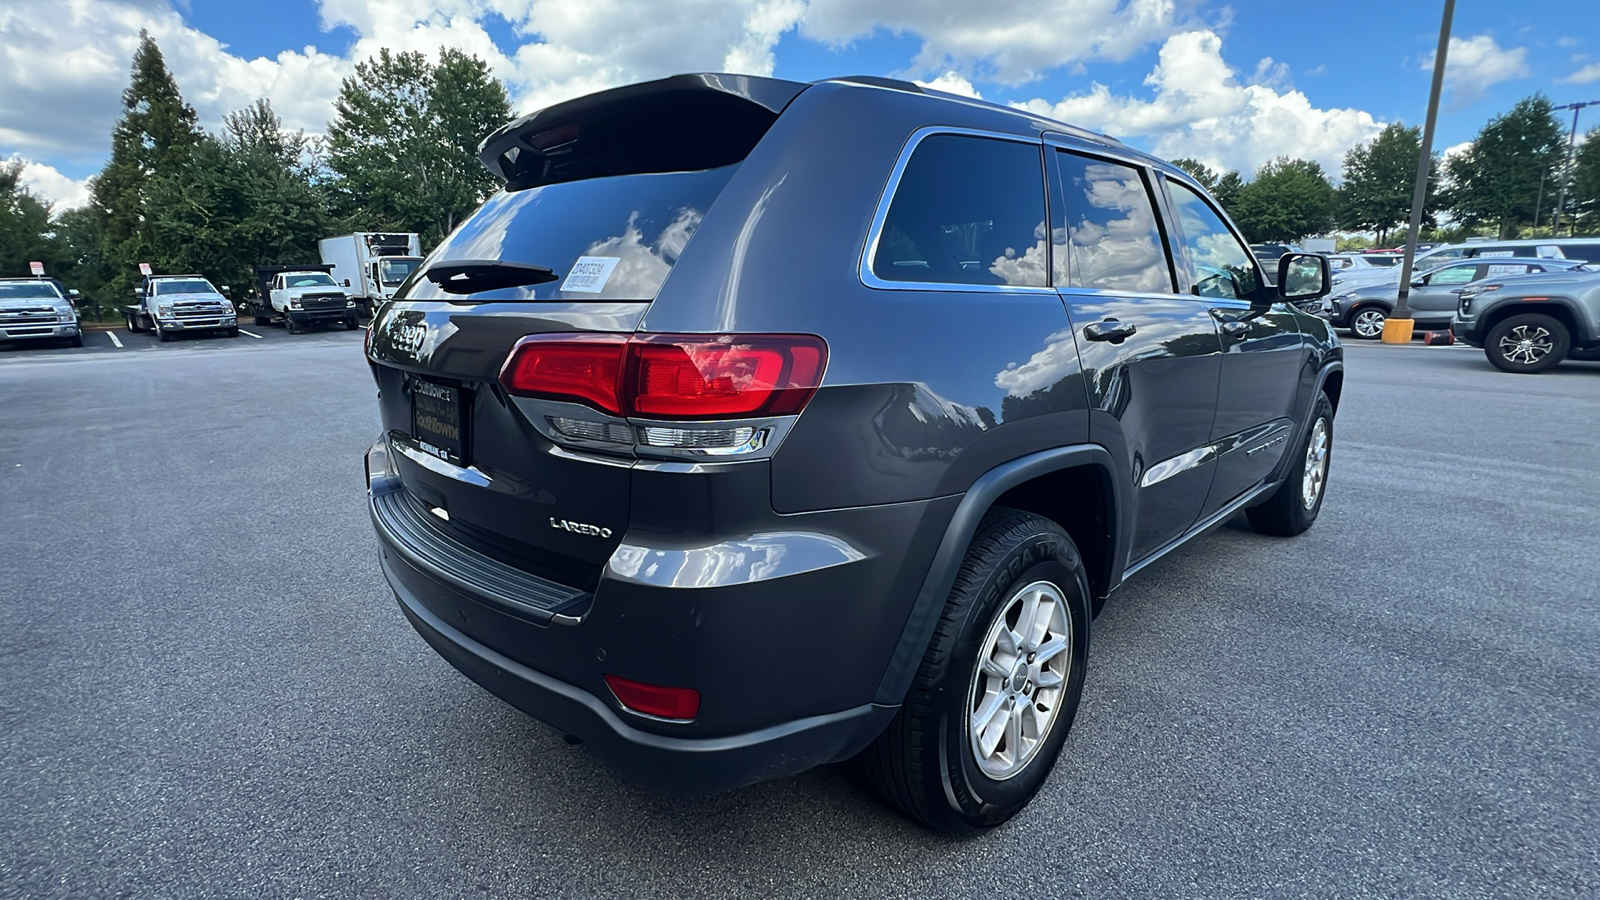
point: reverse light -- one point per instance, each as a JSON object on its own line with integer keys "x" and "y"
{"x": 659, "y": 376}
{"x": 655, "y": 700}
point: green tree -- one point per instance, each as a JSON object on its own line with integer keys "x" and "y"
{"x": 1379, "y": 179}
{"x": 403, "y": 142}
{"x": 155, "y": 135}
{"x": 1497, "y": 180}
{"x": 1201, "y": 172}
{"x": 26, "y": 234}
{"x": 1227, "y": 192}
{"x": 1586, "y": 184}
{"x": 1287, "y": 200}
{"x": 244, "y": 199}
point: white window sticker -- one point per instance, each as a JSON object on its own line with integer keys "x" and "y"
{"x": 590, "y": 274}
{"x": 1503, "y": 271}
{"x": 1498, "y": 253}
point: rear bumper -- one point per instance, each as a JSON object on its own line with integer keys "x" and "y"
{"x": 785, "y": 626}
{"x": 666, "y": 761}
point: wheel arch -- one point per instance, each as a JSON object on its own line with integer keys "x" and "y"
{"x": 1558, "y": 308}
{"x": 1046, "y": 483}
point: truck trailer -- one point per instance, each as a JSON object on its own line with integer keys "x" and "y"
{"x": 371, "y": 265}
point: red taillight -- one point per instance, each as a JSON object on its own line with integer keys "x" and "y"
{"x": 584, "y": 368}
{"x": 655, "y": 700}
{"x": 684, "y": 377}
{"x": 661, "y": 376}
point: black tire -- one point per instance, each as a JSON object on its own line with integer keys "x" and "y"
{"x": 132, "y": 323}
{"x": 259, "y": 318}
{"x": 1527, "y": 344}
{"x": 1285, "y": 513}
{"x": 350, "y": 324}
{"x": 233, "y": 332}
{"x": 289, "y": 325}
{"x": 163, "y": 334}
{"x": 76, "y": 340}
{"x": 925, "y": 763}
{"x": 1366, "y": 322}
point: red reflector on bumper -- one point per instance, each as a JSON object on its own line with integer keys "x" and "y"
{"x": 655, "y": 700}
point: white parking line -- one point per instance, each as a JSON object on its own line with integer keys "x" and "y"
{"x": 114, "y": 340}
{"x": 250, "y": 334}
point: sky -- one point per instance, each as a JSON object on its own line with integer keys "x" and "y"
{"x": 1232, "y": 84}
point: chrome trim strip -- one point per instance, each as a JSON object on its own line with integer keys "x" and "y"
{"x": 864, "y": 268}
{"x": 1183, "y": 462}
{"x": 470, "y": 475}
{"x": 759, "y": 557}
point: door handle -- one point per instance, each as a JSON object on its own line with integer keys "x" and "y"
{"x": 1110, "y": 330}
{"x": 1235, "y": 329}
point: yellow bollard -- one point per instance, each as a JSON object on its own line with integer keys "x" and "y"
{"x": 1398, "y": 331}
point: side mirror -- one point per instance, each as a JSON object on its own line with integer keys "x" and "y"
{"x": 347, "y": 282}
{"x": 226, "y": 291}
{"x": 74, "y": 294}
{"x": 1303, "y": 276}
{"x": 136, "y": 291}
{"x": 1420, "y": 282}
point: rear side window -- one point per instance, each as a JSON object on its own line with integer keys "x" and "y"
{"x": 610, "y": 238}
{"x": 967, "y": 210}
{"x": 1222, "y": 266}
{"x": 1587, "y": 252}
{"x": 1455, "y": 275}
{"x": 1116, "y": 242}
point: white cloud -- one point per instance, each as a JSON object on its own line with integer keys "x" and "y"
{"x": 66, "y": 111}
{"x": 1201, "y": 110}
{"x": 49, "y": 185}
{"x": 1009, "y": 41}
{"x": 1586, "y": 75}
{"x": 1475, "y": 64}
{"x": 951, "y": 83}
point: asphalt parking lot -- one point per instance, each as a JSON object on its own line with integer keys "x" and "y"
{"x": 102, "y": 340}
{"x": 209, "y": 691}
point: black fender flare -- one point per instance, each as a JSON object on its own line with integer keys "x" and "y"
{"x": 1328, "y": 368}
{"x": 941, "y": 577}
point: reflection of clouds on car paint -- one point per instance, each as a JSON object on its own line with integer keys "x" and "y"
{"x": 1044, "y": 368}
{"x": 643, "y": 265}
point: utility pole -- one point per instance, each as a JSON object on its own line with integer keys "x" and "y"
{"x": 1566, "y": 169}
{"x": 1397, "y": 330}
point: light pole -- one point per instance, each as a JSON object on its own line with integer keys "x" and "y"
{"x": 1566, "y": 169}
{"x": 1397, "y": 329}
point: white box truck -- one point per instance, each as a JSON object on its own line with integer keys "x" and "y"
{"x": 371, "y": 265}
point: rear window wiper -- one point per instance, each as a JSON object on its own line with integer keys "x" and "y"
{"x": 471, "y": 276}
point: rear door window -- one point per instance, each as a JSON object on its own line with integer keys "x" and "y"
{"x": 1456, "y": 275}
{"x": 610, "y": 238}
{"x": 1114, "y": 235}
{"x": 1589, "y": 252}
{"x": 1222, "y": 266}
{"x": 967, "y": 211}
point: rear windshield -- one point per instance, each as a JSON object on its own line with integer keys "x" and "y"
{"x": 29, "y": 290}
{"x": 187, "y": 286}
{"x": 610, "y": 238}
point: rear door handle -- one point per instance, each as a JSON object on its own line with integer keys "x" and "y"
{"x": 1235, "y": 329}
{"x": 1110, "y": 330}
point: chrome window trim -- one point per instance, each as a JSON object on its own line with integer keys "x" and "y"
{"x": 875, "y": 232}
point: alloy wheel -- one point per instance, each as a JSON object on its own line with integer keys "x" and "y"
{"x": 1526, "y": 344}
{"x": 1316, "y": 471}
{"x": 1368, "y": 323}
{"x": 1020, "y": 683}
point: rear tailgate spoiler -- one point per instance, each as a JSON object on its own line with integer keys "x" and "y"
{"x": 678, "y": 124}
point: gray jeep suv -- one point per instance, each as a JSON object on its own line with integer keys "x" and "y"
{"x": 758, "y": 425}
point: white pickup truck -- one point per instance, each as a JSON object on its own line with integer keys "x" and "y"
{"x": 171, "y": 305}
{"x": 301, "y": 296}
